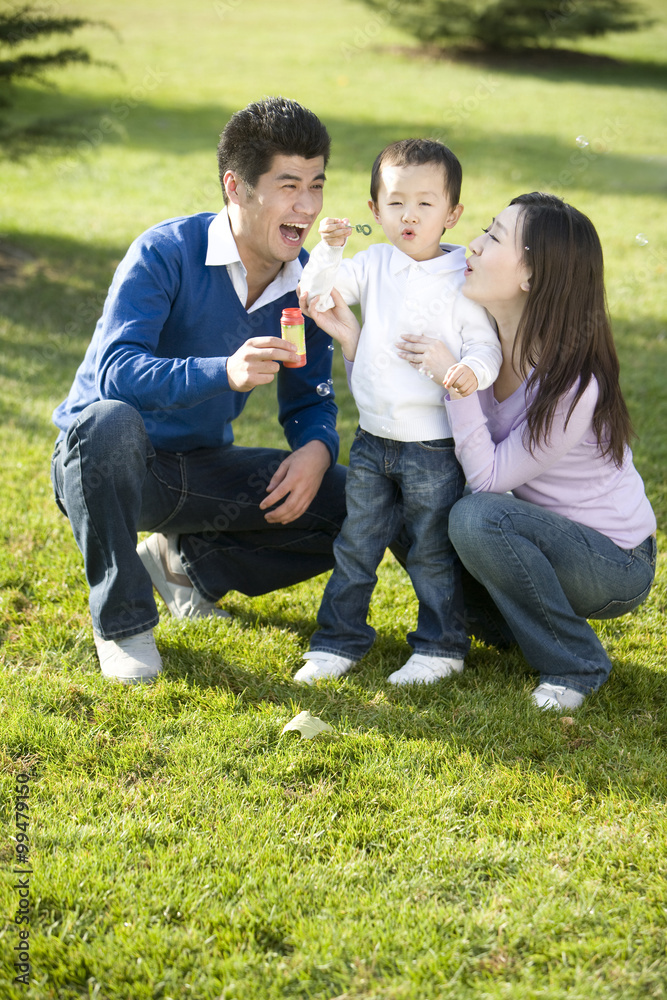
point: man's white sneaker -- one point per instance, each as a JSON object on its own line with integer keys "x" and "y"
{"x": 556, "y": 696}
{"x": 320, "y": 665}
{"x": 134, "y": 660}
{"x": 160, "y": 556}
{"x": 422, "y": 669}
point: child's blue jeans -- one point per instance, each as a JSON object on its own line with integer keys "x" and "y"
{"x": 392, "y": 484}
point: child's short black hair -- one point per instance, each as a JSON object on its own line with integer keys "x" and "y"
{"x": 414, "y": 152}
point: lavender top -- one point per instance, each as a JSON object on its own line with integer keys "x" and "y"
{"x": 568, "y": 475}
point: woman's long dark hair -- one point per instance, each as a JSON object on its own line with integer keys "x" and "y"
{"x": 564, "y": 334}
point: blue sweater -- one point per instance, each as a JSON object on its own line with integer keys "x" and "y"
{"x": 168, "y": 326}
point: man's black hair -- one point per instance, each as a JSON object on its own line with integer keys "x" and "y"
{"x": 272, "y": 127}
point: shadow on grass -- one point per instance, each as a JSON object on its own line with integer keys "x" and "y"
{"x": 181, "y": 131}
{"x": 59, "y": 121}
{"x": 644, "y": 391}
{"x": 485, "y": 712}
{"x": 615, "y": 743}
{"x": 556, "y": 64}
{"x": 51, "y": 299}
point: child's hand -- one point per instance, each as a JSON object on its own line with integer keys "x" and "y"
{"x": 461, "y": 379}
{"x": 335, "y": 232}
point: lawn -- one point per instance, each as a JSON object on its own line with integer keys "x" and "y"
{"x": 448, "y": 842}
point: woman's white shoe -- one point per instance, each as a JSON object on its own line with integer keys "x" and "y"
{"x": 556, "y": 696}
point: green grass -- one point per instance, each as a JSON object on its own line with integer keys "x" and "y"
{"x": 444, "y": 843}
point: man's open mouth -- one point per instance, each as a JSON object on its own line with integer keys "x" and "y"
{"x": 293, "y": 231}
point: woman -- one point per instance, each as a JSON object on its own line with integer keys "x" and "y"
{"x": 557, "y": 528}
{"x": 575, "y": 537}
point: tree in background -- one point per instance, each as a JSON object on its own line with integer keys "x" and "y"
{"x": 509, "y": 24}
{"x": 30, "y": 23}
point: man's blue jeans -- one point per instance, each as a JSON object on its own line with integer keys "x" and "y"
{"x": 542, "y": 575}
{"x": 109, "y": 480}
{"x": 393, "y": 485}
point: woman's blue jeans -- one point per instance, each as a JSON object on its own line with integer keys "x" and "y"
{"x": 392, "y": 484}
{"x": 542, "y": 576}
{"x": 110, "y": 481}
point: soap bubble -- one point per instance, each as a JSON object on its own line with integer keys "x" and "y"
{"x": 581, "y": 141}
{"x": 641, "y": 240}
{"x": 331, "y": 347}
{"x": 323, "y": 389}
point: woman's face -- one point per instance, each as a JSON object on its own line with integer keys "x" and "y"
{"x": 496, "y": 276}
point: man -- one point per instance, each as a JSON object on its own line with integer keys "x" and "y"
{"x": 188, "y": 329}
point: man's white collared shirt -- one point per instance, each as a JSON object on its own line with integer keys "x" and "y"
{"x": 222, "y": 250}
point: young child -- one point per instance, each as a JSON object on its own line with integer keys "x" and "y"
{"x": 403, "y": 472}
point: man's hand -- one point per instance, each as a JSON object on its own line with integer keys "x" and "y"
{"x": 256, "y": 362}
{"x": 335, "y": 232}
{"x": 298, "y": 478}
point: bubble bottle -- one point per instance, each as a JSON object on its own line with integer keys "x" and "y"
{"x": 292, "y": 328}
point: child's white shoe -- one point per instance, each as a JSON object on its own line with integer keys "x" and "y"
{"x": 320, "y": 665}
{"x": 422, "y": 669}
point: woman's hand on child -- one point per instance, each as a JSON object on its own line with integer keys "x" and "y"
{"x": 427, "y": 355}
{"x": 335, "y": 232}
{"x": 339, "y": 322}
